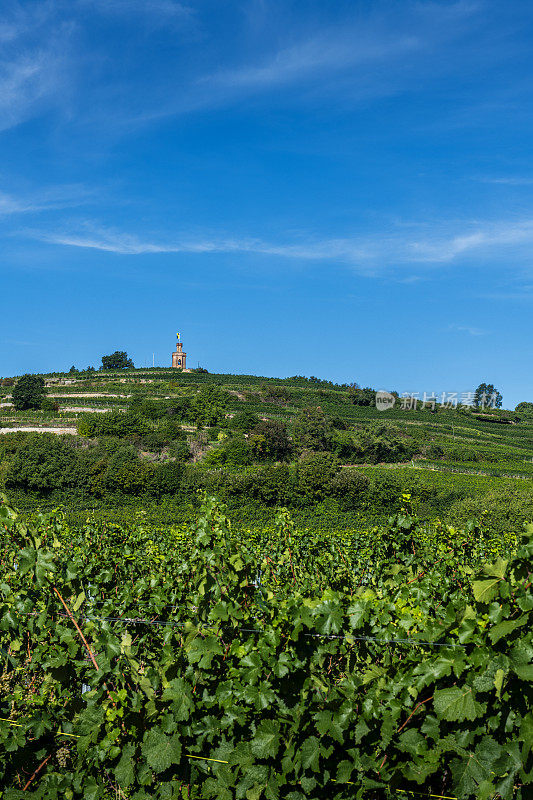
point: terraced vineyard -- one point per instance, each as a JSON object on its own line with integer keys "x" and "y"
{"x": 444, "y": 459}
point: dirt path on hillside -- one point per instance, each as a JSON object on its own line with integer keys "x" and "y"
{"x": 87, "y": 409}
{"x": 85, "y": 394}
{"x": 35, "y": 429}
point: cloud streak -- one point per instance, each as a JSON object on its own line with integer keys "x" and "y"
{"x": 328, "y": 53}
{"x": 165, "y": 10}
{"x": 49, "y": 199}
{"x": 509, "y": 181}
{"x": 368, "y": 253}
{"x": 32, "y": 62}
{"x": 468, "y": 329}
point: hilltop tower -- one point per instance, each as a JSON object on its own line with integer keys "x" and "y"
{"x": 179, "y": 358}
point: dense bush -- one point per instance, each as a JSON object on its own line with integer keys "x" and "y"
{"x": 496, "y": 510}
{"x": 274, "y": 485}
{"x": 124, "y": 425}
{"x": 349, "y": 488}
{"x": 373, "y": 444}
{"x": 362, "y": 397}
{"x": 166, "y": 479}
{"x": 28, "y": 393}
{"x": 273, "y": 393}
{"x": 315, "y": 471}
{"x": 244, "y": 421}
{"x": 208, "y": 406}
{"x": 49, "y": 405}
{"x": 234, "y": 452}
{"x": 43, "y": 463}
{"x": 312, "y": 430}
{"x": 270, "y": 441}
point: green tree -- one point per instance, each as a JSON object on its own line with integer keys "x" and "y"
{"x": 487, "y": 396}
{"x": 315, "y": 473}
{"x": 208, "y": 407}
{"x": 50, "y": 405}
{"x": 525, "y": 407}
{"x": 234, "y": 452}
{"x": 313, "y": 430}
{"x": 349, "y": 487}
{"x": 44, "y": 462}
{"x": 270, "y": 440}
{"x": 29, "y": 392}
{"x": 382, "y": 443}
{"x": 166, "y": 478}
{"x": 244, "y": 421}
{"x": 361, "y": 397}
{"x": 275, "y": 394}
{"x": 117, "y": 360}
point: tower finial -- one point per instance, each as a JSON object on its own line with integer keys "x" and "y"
{"x": 178, "y": 336}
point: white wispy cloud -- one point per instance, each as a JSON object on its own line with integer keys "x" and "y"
{"x": 522, "y": 293}
{"x": 47, "y": 199}
{"x": 369, "y": 253}
{"x": 328, "y": 52}
{"x": 164, "y": 9}
{"x": 11, "y": 205}
{"x": 471, "y": 330}
{"x": 480, "y": 236}
{"x": 33, "y": 60}
{"x": 509, "y": 181}
{"x": 25, "y": 82}
{"x": 48, "y": 61}
{"x": 114, "y": 241}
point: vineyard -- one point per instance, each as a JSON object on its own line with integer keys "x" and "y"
{"x": 360, "y": 629}
{"x": 212, "y": 663}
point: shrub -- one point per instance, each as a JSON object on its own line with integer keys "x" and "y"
{"x": 42, "y": 463}
{"x": 271, "y": 486}
{"x": 208, "y": 407}
{"x": 348, "y": 486}
{"x": 49, "y": 405}
{"x": 244, "y": 421}
{"x": 313, "y": 430}
{"x": 28, "y": 393}
{"x": 314, "y": 474}
{"x": 362, "y": 397}
{"x": 233, "y": 452}
{"x": 270, "y": 440}
{"x": 124, "y": 425}
{"x": 166, "y": 479}
{"x": 275, "y": 394}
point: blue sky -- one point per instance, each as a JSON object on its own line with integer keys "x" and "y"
{"x": 343, "y": 189}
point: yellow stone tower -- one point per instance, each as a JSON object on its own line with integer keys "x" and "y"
{"x": 179, "y": 358}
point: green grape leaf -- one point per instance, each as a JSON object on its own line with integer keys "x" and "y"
{"x": 266, "y": 740}
{"x": 161, "y": 750}
{"x": 310, "y": 753}
{"x": 455, "y": 704}
{"x": 125, "y": 771}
